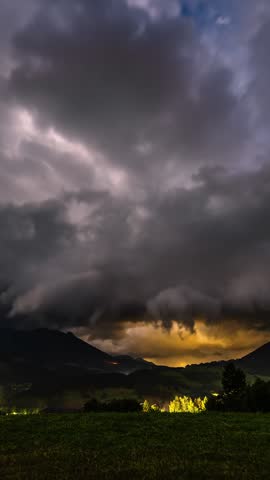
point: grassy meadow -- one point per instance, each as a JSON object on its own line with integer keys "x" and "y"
{"x": 135, "y": 446}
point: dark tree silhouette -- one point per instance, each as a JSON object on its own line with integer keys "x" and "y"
{"x": 233, "y": 380}
{"x": 237, "y": 396}
{"x": 259, "y": 396}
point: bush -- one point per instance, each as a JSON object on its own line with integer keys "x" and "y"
{"x": 117, "y": 405}
{"x": 123, "y": 405}
{"x": 92, "y": 406}
{"x": 155, "y": 408}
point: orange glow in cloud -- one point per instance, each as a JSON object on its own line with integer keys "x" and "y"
{"x": 179, "y": 347}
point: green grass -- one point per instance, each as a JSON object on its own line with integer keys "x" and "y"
{"x": 135, "y": 446}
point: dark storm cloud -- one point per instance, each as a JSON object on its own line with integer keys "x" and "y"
{"x": 13, "y": 17}
{"x": 261, "y": 69}
{"x": 199, "y": 253}
{"x": 184, "y": 232}
{"x": 110, "y": 75}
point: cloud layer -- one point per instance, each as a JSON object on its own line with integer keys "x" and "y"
{"x": 134, "y": 171}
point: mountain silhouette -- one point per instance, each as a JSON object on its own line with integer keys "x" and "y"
{"x": 258, "y": 361}
{"x": 46, "y": 363}
{"x": 53, "y": 349}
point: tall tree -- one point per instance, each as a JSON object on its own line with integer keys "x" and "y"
{"x": 233, "y": 380}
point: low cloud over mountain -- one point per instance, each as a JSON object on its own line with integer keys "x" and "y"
{"x": 134, "y": 171}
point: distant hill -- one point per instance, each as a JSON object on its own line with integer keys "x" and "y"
{"x": 48, "y": 366}
{"x": 50, "y": 348}
{"x": 54, "y": 350}
{"x": 258, "y": 361}
{"x": 254, "y": 363}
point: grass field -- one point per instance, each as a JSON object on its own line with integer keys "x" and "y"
{"x": 135, "y": 446}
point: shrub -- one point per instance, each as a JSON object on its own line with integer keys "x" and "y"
{"x": 92, "y": 406}
{"x": 117, "y": 405}
{"x": 123, "y": 405}
{"x": 155, "y": 408}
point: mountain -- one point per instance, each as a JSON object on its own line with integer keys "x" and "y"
{"x": 255, "y": 363}
{"x": 47, "y": 367}
{"x": 57, "y": 351}
{"x": 258, "y": 361}
{"x": 51, "y": 348}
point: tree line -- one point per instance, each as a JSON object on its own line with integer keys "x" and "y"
{"x": 236, "y": 396}
{"x": 239, "y": 396}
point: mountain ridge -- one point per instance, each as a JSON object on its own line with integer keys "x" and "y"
{"x": 54, "y": 348}
{"x": 62, "y": 346}
{"x": 48, "y": 364}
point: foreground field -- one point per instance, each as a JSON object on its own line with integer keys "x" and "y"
{"x": 135, "y": 446}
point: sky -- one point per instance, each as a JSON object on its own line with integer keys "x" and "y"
{"x": 135, "y": 174}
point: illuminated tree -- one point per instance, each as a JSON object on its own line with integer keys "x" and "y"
{"x": 186, "y": 404}
{"x": 146, "y": 406}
